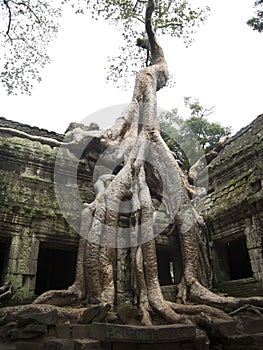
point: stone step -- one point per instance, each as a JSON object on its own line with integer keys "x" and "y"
{"x": 29, "y": 345}
{"x": 58, "y": 344}
{"x": 244, "y": 342}
{"x": 75, "y": 331}
{"x": 54, "y": 344}
{"x": 87, "y": 344}
{"x": 107, "y": 332}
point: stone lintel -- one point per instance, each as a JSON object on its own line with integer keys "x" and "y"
{"x": 141, "y": 334}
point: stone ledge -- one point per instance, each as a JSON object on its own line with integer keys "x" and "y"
{"x": 141, "y": 334}
{"x": 87, "y": 344}
{"x": 245, "y": 341}
{"x": 221, "y": 328}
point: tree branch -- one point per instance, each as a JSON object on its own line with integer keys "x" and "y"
{"x": 155, "y": 49}
{"x": 28, "y": 8}
{"x": 9, "y": 19}
{"x": 42, "y": 139}
{"x": 207, "y": 111}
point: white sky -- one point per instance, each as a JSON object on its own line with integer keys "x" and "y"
{"x": 221, "y": 68}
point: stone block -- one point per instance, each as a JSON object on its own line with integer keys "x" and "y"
{"x": 12, "y": 266}
{"x": 29, "y": 282}
{"x": 52, "y": 332}
{"x": 31, "y": 331}
{"x": 36, "y": 328}
{"x": 33, "y": 255}
{"x": 44, "y": 318}
{"x": 253, "y": 238}
{"x": 14, "y": 247}
{"x": 63, "y": 331}
{"x": 59, "y": 344}
{"x": 79, "y": 331}
{"x": 221, "y": 328}
{"x": 244, "y": 342}
{"x": 256, "y": 263}
{"x": 250, "y": 325}
{"x": 31, "y": 267}
{"x": 87, "y": 344}
{"x": 142, "y": 334}
{"x": 90, "y": 313}
{"x": 29, "y": 346}
{"x": 201, "y": 342}
{"x": 126, "y": 346}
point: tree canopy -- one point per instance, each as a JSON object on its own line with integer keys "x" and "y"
{"x": 256, "y": 22}
{"x": 26, "y": 29}
{"x": 28, "y": 26}
{"x": 207, "y": 133}
{"x": 190, "y": 138}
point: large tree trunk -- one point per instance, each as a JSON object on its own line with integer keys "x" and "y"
{"x": 136, "y": 144}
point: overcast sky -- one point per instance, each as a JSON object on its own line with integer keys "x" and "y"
{"x": 222, "y": 68}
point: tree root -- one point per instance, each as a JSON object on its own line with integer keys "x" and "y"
{"x": 59, "y": 297}
{"x": 201, "y": 295}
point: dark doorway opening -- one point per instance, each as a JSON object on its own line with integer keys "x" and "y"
{"x": 170, "y": 267}
{"x": 239, "y": 263}
{"x": 56, "y": 268}
{"x": 233, "y": 259}
{"x": 4, "y": 246}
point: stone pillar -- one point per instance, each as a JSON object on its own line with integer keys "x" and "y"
{"x": 22, "y": 263}
{"x": 254, "y": 246}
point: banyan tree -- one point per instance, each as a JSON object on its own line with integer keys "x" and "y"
{"x": 143, "y": 179}
{"x": 146, "y": 177}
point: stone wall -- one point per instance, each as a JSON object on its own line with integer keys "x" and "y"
{"x": 234, "y": 212}
{"x": 37, "y": 242}
{"x": 31, "y": 222}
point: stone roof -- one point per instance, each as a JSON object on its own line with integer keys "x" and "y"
{"x": 32, "y": 130}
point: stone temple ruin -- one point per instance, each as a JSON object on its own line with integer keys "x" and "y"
{"x": 38, "y": 248}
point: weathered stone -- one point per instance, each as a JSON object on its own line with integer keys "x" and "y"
{"x": 63, "y": 331}
{"x": 5, "y": 329}
{"x": 233, "y": 207}
{"x": 111, "y": 317}
{"x": 141, "y": 334}
{"x": 90, "y": 313}
{"x": 29, "y": 332}
{"x": 44, "y": 318}
{"x": 31, "y": 268}
{"x": 29, "y": 209}
{"x": 79, "y": 331}
{"x": 29, "y": 346}
{"x": 52, "y": 332}
{"x": 87, "y": 344}
{"x": 221, "y": 328}
{"x": 30, "y": 213}
{"x": 243, "y": 342}
{"x": 59, "y": 344}
{"x": 103, "y": 312}
{"x": 127, "y": 313}
{"x": 251, "y": 325}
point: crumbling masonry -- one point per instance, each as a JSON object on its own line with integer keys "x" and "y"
{"x": 38, "y": 247}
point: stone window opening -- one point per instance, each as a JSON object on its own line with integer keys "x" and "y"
{"x": 56, "y": 267}
{"x": 233, "y": 260}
